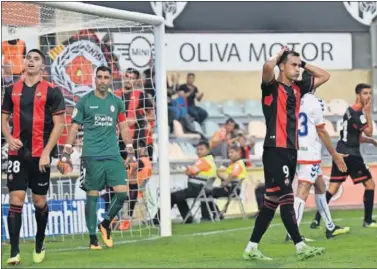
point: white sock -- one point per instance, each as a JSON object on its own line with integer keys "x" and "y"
{"x": 300, "y": 245}
{"x": 324, "y": 210}
{"x": 299, "y": 206}
{"x": 250, "y": 246}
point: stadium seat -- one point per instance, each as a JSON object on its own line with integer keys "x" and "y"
{"x": 198, "y": 127}
{"x": 241, "y": 125}
{"x": 330, "y": 128}
{"x": 210, "y": 128}
{"x": 178, "y": 131}
{"x": 253, "y": 108}
{"x": 258, "y": 151}
{"x": 338, "y": 126}
{"x": 257, "y": 129}
{"x": 338, "y": 106}
{"x": 211, "y": 108}
{"x": 327, "y": 111}
{"x": 232, "y": 108}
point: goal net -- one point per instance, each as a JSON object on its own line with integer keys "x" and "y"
{"x": 76, "y": 38}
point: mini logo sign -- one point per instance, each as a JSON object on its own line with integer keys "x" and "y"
{"x": 364, "y": 11}
{"x": 139, "y": 51}
{"x": 170, "y": 10}
{"x": 39, "y": 95}
{"x": 112, "y": 108}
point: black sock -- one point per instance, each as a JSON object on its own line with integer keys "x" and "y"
{"x": 288, "y": 216}
{"x": 41, "y": 216}
{"x": 368, "y": 205}
{"x": 264, "y": 218}
{"x": 93, "y": 239}
{"x": 14, "y": 227}
{"x": 106, "y": 223}
{"x": 133, "y": 199}
{"x": 328, "y": 198}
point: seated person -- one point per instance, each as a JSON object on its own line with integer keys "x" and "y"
{"x": 202, "y": 172}
{"x": 235, "y": 172}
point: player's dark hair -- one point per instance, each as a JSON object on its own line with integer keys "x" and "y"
{"x": 283, "y": 59}
{"x": 230, "y": 120}
{"x": 203, "y": 143}
{"x": 40, "y": 54}
{"x": 103, "y": 68}
{"x": 361, "y": 86}
{"x": 133, "y": 71}
{"x": 190, "y": 75}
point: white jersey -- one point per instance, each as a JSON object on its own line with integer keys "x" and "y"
{"x": 310, "y": 118}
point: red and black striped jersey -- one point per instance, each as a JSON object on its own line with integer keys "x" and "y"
{"x": 32, "y": 109}
{"x": 281, "y": 106}
{"x": 353, "y": 125}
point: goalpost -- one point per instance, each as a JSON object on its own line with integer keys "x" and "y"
{"x": 76, "y": 38}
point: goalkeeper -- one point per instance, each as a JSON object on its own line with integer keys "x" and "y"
{"x": 98, "y": 112}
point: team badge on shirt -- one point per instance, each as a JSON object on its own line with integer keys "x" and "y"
{"x": 74, "y": 112}
{"x": 112, "y": 108}
{"x": 39, "y": 95}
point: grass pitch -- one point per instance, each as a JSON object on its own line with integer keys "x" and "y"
{"x": 219, "y": 245}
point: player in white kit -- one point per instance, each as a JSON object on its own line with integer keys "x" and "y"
{"x": 311, "y": 132}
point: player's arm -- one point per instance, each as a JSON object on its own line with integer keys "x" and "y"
{"x": 125, "y": 133}
{"x": 319, "y": 75}
{"x": 125, "y": 130}
{"x": 77, "y": 121}
{"x": 368, "y": 127}
{"x": 55, "y": 100}
{"x": 268, "y": 74}
{"x": 368, "y": 140}
{"x": 6, "y": 111}
{"x": 319, "y": 121}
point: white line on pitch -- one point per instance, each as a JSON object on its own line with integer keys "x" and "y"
{"x": 184, "y": 235}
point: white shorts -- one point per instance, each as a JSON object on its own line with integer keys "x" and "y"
{"x": 308, "y": 172}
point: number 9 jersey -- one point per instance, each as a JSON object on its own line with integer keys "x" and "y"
{"x": 310, "y": 118}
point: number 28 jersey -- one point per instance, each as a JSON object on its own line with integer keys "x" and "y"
{"x": 310, "y": 118}
{"x": 354, "y": 122}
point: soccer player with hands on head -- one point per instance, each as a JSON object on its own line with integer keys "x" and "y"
{"x": 99, "y": 112}
{"x": 281, "y": 103}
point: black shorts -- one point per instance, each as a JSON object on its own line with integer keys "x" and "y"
{"x": 279, "y": 166}
{"x": 356, "y": 169}
{"x": 23, "y": 174}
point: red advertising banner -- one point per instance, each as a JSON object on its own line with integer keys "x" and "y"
{"x": 349, "y": 195}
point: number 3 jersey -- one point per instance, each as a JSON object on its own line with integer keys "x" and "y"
{"x": 354, "y": 122}
{"x": 310, "y": 118}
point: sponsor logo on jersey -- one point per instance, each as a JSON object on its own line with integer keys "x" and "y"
{"x": 170, "y": 10}
{"x": 363, "y": 119}
{"x": 103, "y": 120}
{"x": 364, "y": 11}
{"x": 74, "y": 112}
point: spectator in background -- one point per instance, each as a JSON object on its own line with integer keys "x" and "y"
{"x": 191, "y": 92}
{"x": 136, "y": 109}
{"x": 246, "y": 146}
{"x": 222, "y": 138}
{"x": 14, "y": 53}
